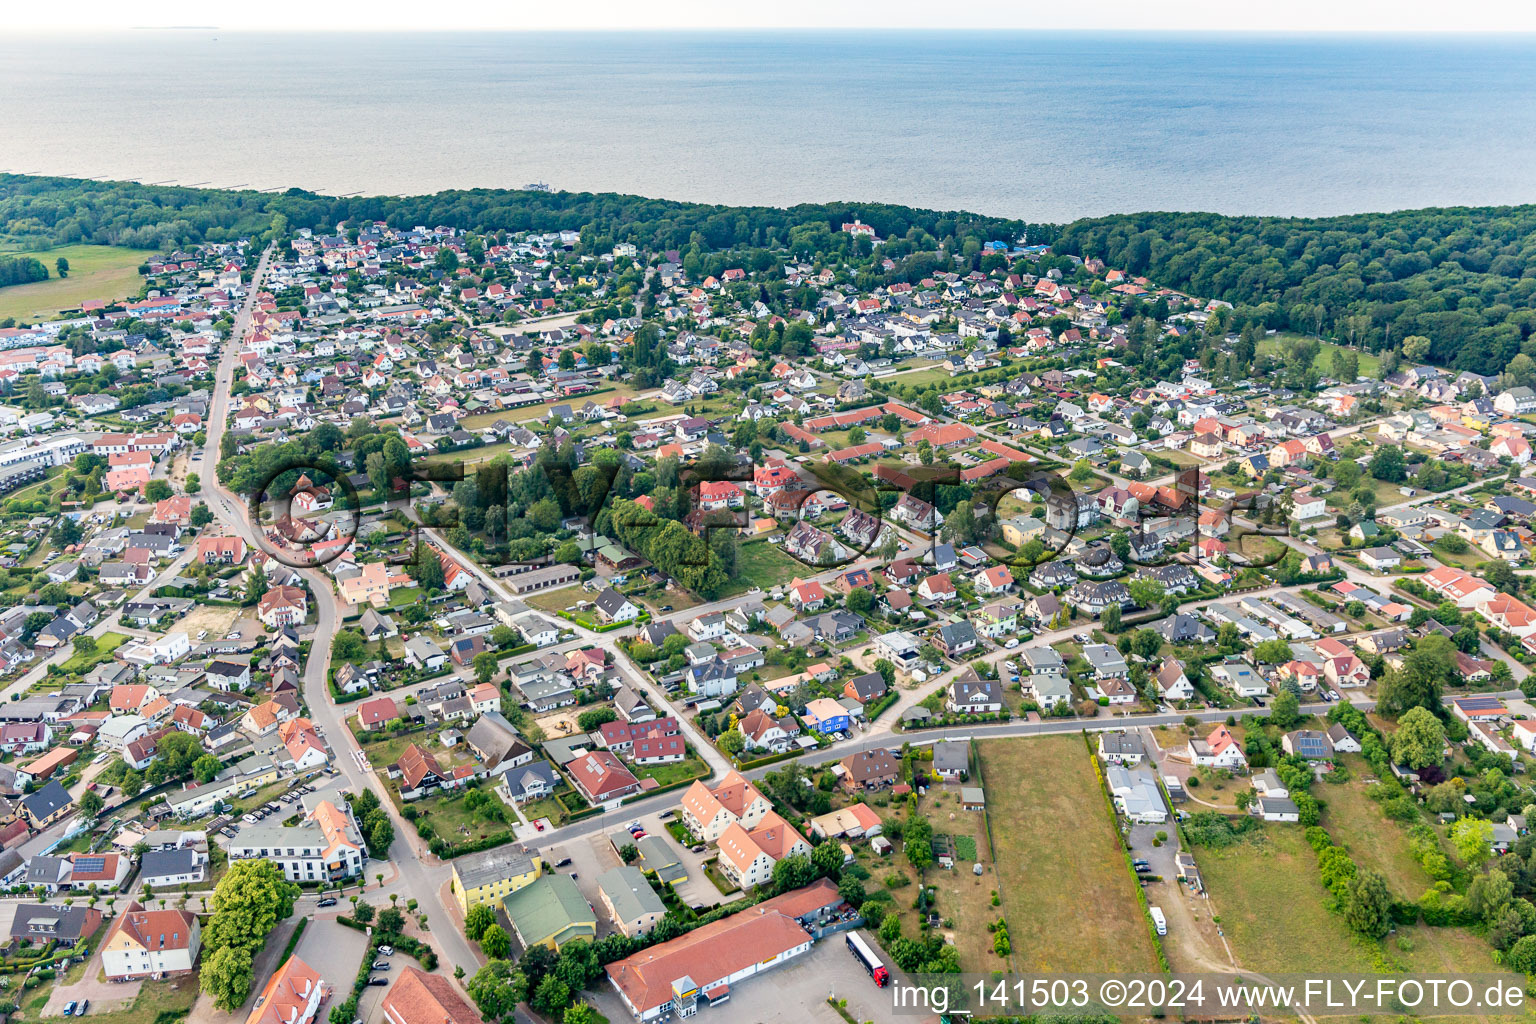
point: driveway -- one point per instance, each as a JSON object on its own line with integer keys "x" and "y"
{"x": 105, "y": 996}
{"x": 1193, "y": 942}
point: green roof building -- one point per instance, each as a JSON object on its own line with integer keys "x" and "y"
{"x": 550, "y": 912}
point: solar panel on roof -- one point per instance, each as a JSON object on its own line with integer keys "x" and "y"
{"x": 87, "y": 865}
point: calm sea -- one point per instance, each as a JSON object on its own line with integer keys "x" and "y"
{"x": 1041, "y": 126}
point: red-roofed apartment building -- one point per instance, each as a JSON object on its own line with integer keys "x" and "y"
{"x": 942, "y": 435}
{"x": 144, "y": 943}
{"x": 220, "y": 550}
{"x": 708, "y": 811}
{"x": 747, "y": 858}
{"x": 417, "y": 997}
{"x": 292, "y": 996}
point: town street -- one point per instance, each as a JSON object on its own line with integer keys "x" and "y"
{"x": 420, "y": 875}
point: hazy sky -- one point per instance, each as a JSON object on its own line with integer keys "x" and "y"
{"x": 1241, "y": 15}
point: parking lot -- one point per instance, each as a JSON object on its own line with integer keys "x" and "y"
{"x": 335, "y": 952}
{"x": 594, "y": 854}
{"x": 794, "y": 993}
{"x": 276, "y": 811}
{"x": 695, "y": 890}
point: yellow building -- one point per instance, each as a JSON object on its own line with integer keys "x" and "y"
{"x": 550, "y": 913}
{"x": 1018, "y": 531}
{"x": 493, "y": 875}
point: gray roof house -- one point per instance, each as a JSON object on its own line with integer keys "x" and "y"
{"x": 952, "y": 759}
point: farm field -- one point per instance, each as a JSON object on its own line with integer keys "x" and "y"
{"x": 95, "y": 272}
{"x": 1039, "y": 790}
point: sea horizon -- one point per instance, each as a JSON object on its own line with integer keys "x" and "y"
{"x": 1043, "y": 126}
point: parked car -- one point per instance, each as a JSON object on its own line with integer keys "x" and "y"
{"x": 381, "y": 965}
{"x": 85, "y": 1004}
{"x": 378, "y": 981}
{"x": 329, "y": 901}
{"x": 69, "y": 1008}
{"x": 386, "y": 951}
{"x": 538, "y": 823}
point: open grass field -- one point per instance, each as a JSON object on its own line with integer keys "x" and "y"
{"x": 933, "y": 374}
{"x": 1270, "y": 901}
{"x": 95, "y": 272}
{"x": 557, "y": 600}
{"x": 468, "y": 456}
{"x": 1070, "y": 902}
{"x": 1323, "y": 364}
{"x": 1356, "y": 823}
{"x": 765, "y": 565}
{"x": 1271, "y": 904}
{"x": 82, "y": 663}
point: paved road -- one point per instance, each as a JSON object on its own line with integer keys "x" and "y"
{"x": 109, "y": 623}
{"x": 419, "y": 874}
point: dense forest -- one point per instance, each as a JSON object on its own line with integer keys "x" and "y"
{"x": 58, "y": 211}
{"x": 1463, "y": 277}
{"x": 21, "y": 270}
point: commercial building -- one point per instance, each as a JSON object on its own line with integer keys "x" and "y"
{"x": 550, "y": 911}
{"x": 674, "y": 977}
{"x": 630, "y": 901}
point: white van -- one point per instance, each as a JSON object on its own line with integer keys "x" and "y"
{"x": 1159, "y": 920}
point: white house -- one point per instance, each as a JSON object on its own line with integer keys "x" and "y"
{"x": 1172, "y": 683}
{"x": 151, "y": 943}
{"x": 1219, "y": 749}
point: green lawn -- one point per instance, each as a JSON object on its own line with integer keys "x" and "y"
{"x": 95, "y": 272}
{"x": 1369, "y": 363}
{"x": 33, "y": 492}
{"x": 469, "y": 455}
{"x": 404, "y": 597}
{"x": 765, "y": 565}
{"x": 668, "y": 774}
{"x": 105, "y": 645}
{"x": 920, "y": 379}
